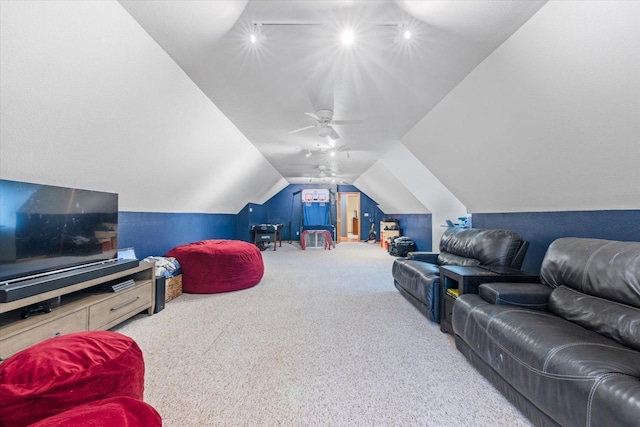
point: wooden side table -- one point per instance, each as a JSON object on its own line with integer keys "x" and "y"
{"x": 467, "y": 280}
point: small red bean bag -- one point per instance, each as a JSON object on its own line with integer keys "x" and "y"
{"x": 112, "y": 412}
{"x": 212, "y": 266}
{"x": 67, "y": 371}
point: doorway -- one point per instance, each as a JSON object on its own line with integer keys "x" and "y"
{"x": 348, "y": 217}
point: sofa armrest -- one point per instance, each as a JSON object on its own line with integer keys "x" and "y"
{"x": 430, "y": 257}
{"x": 534, "y": 296}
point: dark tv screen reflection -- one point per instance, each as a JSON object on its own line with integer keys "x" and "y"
{"x": 45, "y": 228}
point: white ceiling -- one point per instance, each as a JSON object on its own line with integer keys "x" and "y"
{"x": 388, "y": 83}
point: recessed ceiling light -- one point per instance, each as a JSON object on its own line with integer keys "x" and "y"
{"x": 255, "y": 33}
{"x": 406, "y": 34}
{"x": 348, "y": 37}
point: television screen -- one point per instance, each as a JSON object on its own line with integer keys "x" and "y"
{"x": 44, "y": 228}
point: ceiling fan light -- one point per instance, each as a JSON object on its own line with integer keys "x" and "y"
{"x": 324, "y": 131}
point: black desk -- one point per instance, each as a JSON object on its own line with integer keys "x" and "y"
{"x": 466, "y": 280}
{"x": 263, "y": 234}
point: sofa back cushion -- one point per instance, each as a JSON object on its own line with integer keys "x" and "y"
{"x": 614, "y": 320}
{"x": 486, "y": 247}
{"x": 602, "y": 268}
{"x": 446, "y": 258}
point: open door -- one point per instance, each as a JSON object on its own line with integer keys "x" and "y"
{"x": 348, "y": 217}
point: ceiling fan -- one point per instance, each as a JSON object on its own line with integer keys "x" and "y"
{"x": 325, "y": 122}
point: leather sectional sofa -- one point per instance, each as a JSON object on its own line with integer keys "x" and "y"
{"x": 565, "y": 351}
{"x": 417, "y": 276}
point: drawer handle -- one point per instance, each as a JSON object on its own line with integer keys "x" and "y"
{"x": 124, "y": 304}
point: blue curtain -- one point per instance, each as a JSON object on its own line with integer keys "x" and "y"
{"x": 315, "y": 213}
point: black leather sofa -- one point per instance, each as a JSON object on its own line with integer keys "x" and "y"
{"x": 417, "y": 276}
{"x": 565, "y": 351}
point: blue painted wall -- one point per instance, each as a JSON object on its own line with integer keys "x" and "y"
{"x": 154, "y": 234}
{"x": 541, "y": 228}
{"x": 251, "y": 214}
{"x": 418, "y": 227}
{"x": 285, "y": 208}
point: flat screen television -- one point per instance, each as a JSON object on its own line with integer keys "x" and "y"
{"x": 45, "y": 229}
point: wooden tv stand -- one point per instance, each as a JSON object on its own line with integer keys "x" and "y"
{"x": 76, "y": 309}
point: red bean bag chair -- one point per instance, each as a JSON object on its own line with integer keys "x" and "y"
{"x": 212, "y": 266}
{"x": 112, "y": 412}
{"x": 61, "y": 373}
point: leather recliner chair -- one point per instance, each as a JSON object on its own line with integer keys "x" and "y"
{"x": 417, "y": 276}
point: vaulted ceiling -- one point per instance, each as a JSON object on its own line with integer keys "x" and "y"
{"x": 383, "y": 82}
{"x": 490, "y": 106}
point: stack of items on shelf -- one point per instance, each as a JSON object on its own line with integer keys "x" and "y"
{"x": 389, "y": 228}
{"x": 392, "y": 240}
{"x": 453, "y": 293}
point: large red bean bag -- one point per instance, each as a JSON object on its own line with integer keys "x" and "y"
{"x": 112, "y": 412}
{"x": 212, "y": 266}
{"x": 61, "y": 373}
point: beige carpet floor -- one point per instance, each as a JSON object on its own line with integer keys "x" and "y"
{"x": 325, "y": 339}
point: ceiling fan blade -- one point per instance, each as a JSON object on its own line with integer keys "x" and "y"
{"x": 333, "y": 135}
{"x": 312, "y": 115}
{"x": 346, "y": 122}
{"x": 301, "y": 129}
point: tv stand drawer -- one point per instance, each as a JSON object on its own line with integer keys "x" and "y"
{"x": 72, "y": 322}
{"x": 122, "y": 305}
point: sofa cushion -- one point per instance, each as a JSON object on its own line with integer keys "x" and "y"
{"x": 602, "y": 268}
{"x": 489, "y": 247}
{"x": 534, "y": 296}
{"x": 615, "y": 401}
{"x": 617, "y": 321}
{"x": 543, "y": 341}
{"x": 445, "y": 258}
{"x": 555, "y": 364}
